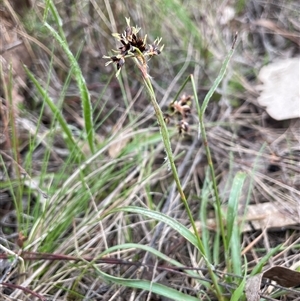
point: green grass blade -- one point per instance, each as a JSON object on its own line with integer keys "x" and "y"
{"x": 235, "y": 246}
{"x": 174, "y": 224}
{"x": 258, "y": 268}
{"x": 69, "y": 136}
{"x": 205, "y": 233}
{"x": 156, "y": 288}
{"x": 239, "y": 292}
{"x": 232, "y": 211}
{"x": 218, "y": 79}
{"x": 217, "y": 250}
{"x": 201, "y": 111}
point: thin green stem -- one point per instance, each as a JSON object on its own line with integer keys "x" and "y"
{"x": 201, "y": 112}
{"x": 181, "y": 88}
{"x": 210, "y": 163}
{"x": 166, "y": 140}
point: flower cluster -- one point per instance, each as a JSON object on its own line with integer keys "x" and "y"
{"x": 181, "y": 107}
{"x": 133, "y": 46}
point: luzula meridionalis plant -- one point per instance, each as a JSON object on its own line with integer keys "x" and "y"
{"x": 135, "y": 47}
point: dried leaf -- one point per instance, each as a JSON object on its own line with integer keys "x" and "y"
{"x": 262, "y": 216}
{"x": 275, "y": 28}
{"x": 283, "y": 276}
{"x": 270, "y": 216}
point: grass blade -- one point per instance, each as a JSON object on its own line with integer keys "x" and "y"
{"x": 233, "y": 233}
{"x": 218, "y": 79}
{"x": 174, "y": 224}
{"x": 156, "y": 288}
{"x": 239, "y": 291}
{"x": 154, "y": 252}
{"x": 69, "y": 136}
{"x": 258, "y": 268}
{"x": 232, "y": 212}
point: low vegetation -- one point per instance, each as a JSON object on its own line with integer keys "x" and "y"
{"x": 136, "y": 163}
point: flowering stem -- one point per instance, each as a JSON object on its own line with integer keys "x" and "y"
{"x": 166, "y": 140}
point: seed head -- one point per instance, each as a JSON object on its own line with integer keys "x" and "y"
{"x": 133, "y": 45}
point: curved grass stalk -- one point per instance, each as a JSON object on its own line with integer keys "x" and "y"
{"x": 72, "y": 144}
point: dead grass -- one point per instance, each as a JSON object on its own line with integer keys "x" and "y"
{"x": 241, "y": 136}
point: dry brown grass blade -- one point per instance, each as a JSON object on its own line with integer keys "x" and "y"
{"x": 276, "y": 29}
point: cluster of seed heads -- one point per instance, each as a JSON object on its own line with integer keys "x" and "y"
{"x": 181, "y": 107}
{"x": 132, "y": 45}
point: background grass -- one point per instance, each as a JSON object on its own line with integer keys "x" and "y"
{"x": 90, "y": 142}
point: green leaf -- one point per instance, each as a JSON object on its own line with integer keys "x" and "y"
{"x": 205, "y": 192}
{"x": 156, "y": 288}
{"x": 174, "y": 224}
{"x": 57, "y": 113}
{"x": 239, "y": 292}
{"x": 258, "y": 268}
{"x": 232, "y": 211}
{"x": 235, "y": 246}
